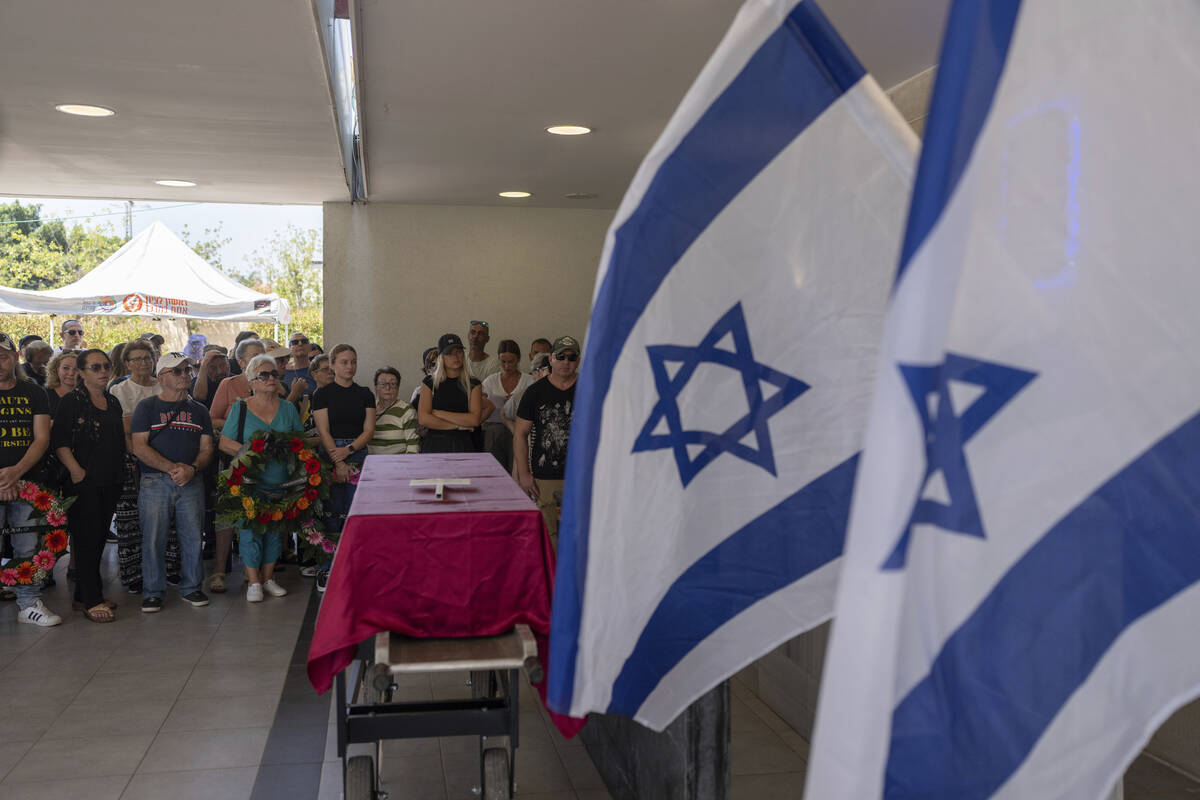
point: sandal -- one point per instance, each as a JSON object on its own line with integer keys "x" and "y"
{"x": 100, "y": 613}
{"x": 216, "y": 583}
{"x": 78, "y": 606}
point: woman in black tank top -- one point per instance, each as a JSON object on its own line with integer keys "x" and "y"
{"x": 451, "y": 401}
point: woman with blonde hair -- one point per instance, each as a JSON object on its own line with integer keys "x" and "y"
{"x": 451, "y": 402}
{"x": 61, "y": 377}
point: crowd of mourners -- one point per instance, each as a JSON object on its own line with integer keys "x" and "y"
{"x": 137, "y": 437}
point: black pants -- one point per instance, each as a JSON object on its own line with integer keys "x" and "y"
{"x": 448, "y": 442}
{"x": 88, "y": 520}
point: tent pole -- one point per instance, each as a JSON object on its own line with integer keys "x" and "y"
{"x": 50, "y": 335}
{"x": 276, "y": 337}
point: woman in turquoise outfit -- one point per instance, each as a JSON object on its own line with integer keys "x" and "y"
{"x": 263, "y": 410}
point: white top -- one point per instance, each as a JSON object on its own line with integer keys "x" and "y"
{"x": 481, "y": 369}
{"x": 514, "y": 402}
{"x": 494, "y": 390}
{"x": 130, "y": 394}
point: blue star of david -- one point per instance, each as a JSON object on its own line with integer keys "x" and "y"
{"x": 741, "y": 358}
{"x": 947, "y": 433}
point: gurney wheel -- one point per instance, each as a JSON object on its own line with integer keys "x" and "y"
{"x": 360, "y": 779}
{"x": 495, "y": 774}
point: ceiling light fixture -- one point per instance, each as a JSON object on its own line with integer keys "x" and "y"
{"x": 516, "y": 194}
{"x": 82, "y": 110}
{"x": 568, "y": 130}
{"x": 176, "y": 183}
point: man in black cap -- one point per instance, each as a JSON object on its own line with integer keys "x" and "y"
{"x": 542, "y": 428}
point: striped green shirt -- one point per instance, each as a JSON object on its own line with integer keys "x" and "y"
{"x": 395, "y": 431}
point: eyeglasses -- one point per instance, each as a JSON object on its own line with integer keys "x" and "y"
{"x": 566, "y": 357}
{"x": 176, "y": 371}
{"x": 105, "y": 367}
{"x": 387, "y": 385}
{"x": 295, "y": 342}
{"x": 478, "y": 322}
{"x": 140, "y": 360}
{"x": 272, "y": 374}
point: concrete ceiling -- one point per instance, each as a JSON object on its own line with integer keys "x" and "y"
{"x": 456, "y": 93}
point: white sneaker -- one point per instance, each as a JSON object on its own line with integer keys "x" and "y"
{"x": 38, "y": 614}
{"x": 254, "y": 593}
{"x": 274, "y": 589}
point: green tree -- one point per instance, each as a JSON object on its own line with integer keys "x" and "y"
{"x": 289, "y": 266}
{"x": 208, "y": 245}
{"x": 44, "y": 255}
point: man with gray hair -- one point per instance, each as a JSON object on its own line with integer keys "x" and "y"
{"x": 72, "y": 336}
{"x": 235, "y": 387}
{"x": 37, "y": 355}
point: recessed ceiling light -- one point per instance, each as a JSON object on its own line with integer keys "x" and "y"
{"x": 516, "y": 194}
{"x": 568, "y": 130}
{"x": 175, "y": 183}
{"x": 81, "y": 110}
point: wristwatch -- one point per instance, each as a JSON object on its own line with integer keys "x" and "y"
{"x": 350, "y": 447}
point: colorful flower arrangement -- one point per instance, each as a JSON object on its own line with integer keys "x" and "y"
{"x": 294, "y": 505}
{"x": 50, "y": 512}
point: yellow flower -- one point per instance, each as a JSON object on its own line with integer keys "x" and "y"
{"x": 249, "y": 513}
{"x": 247, "y": 504}
{"x": 235, "y": 490}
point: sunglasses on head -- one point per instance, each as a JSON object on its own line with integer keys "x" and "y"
{"x": 295, "y": 342}
{"x": 105, "y": 367}
{"x": 479, "y": 322}
{"x": 568, "y": 356}
{"x": 262, "y": 376}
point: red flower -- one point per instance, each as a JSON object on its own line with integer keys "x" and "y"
{"x": 56, "y": 541}
{"x": 296, "y": 445}
{"x": 264, "y": 516}
{"x": 258, "y": 445}
{"x": 292, "y": 513}
{"x": 235, "y": 479}
{"x": 25, "y": 573}
{"x": 239, "y": 470}
{"x": 42, "y": 501}
{"x": 311, "y": 493}
{"x": 312, "y": 467}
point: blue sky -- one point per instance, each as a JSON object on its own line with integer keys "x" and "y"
{"x": 249, "y": 227}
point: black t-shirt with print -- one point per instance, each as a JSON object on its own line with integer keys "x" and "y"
{"x": 549, "y": 409}
{"x": 18, "y": 406}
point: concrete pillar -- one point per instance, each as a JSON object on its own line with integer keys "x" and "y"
{"x": 687, "y": 761}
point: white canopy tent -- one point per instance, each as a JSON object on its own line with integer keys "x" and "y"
{"x": 154, "y": 274}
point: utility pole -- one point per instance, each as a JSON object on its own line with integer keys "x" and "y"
{"x": 128, "y": 220}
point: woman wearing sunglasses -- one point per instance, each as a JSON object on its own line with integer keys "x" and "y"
{"x": 88, "y": 436}
{"x": 451, "y": 402}
{"x": 263, "y": 410}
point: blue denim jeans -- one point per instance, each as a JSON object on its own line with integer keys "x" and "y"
{"x": 158, "y": 501}
{"x": 25, "y": 540}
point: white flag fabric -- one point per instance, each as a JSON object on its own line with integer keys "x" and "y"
{"x": 1022, "y": 571}
{"x": 725, "y": 382}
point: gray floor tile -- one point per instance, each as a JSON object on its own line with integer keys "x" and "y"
{"x": 158, "y": 656}
{"x": 774, "y": 786}
{"x": 195, "y": 750}
{"x": 134, "y": 686}
{"x": 580, "y": 769}
{"x": 82, "y": 658}
{"x": 594, "y": 794}
{"x": 276, "y": 781}
{"x": 753, "y": 753}
{"x": 85, "y": 719}
{"x": 36, "y": 717}
{"x": 209, "y": 784}
{"x": 295, "y": 745}
{"x": 461, "y": 773}
{"x": 11, "y": 753}
{"x": 209, "y": 713}
{"x": 541, "y": 771}
{"x": 331, "y": 781}
{"x": 107, "y": 788}
{"x": 222, "y": 654}
{"x": 88, "y": 758}
{"x": 413, "y": 778}
{"x": 234, "y": 682}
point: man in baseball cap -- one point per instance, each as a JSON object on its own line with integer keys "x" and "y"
{"x": 173, "y": 439}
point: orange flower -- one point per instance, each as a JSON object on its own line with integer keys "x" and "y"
{"x": 42, "y": 501}
{"x": 235, "y": 490}
{"x": 314, "y": 480}
{"x": 249, "y": 513}
{"x": 302, "y": 504}
{"x": 305, "y": 454}
{"x": 56, "y": 541}
{"x": 25, "y": 573}
{"x": 276, "y": 515}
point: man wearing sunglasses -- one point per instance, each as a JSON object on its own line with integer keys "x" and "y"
{"x": 72, "y": 336}
{"x": 299, "y": 366}
{"x": 542, "y": 428}
{"x": 173, "y": 439}
{"x": 479, "y": 364}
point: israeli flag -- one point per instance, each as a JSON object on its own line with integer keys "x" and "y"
{"x": 726, "y": 376}
{"x": 1021, "y": 582}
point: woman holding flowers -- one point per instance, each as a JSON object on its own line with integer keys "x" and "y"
{"x": 263, "y": 410}
{"x": 88, "y": 436}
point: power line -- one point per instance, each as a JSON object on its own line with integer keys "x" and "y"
{"x": 90, "y": 216}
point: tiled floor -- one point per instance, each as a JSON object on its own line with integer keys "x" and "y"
{"x": 186, "y": 704}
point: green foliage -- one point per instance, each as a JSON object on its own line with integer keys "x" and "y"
{"x": 36, "y": 255}
{"x": 290, "y": 266}
{"x": 208, "y": 245}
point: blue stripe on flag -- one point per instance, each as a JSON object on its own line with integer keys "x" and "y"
{"x": 1006, "y": 673}
{"x": 801, "y": 534}
{"x": 799, "y": 71}
{"x": 974, "y": 50}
